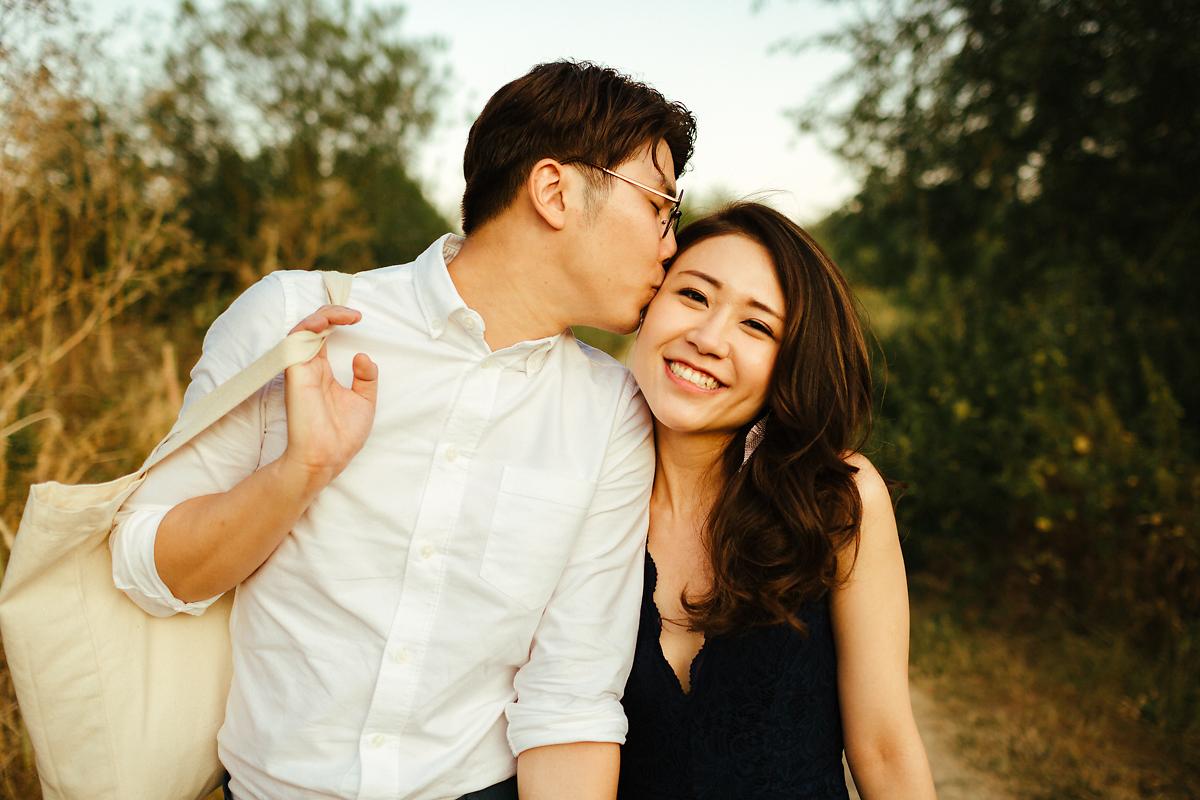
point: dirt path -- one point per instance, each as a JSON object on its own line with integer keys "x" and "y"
{"x": 953, "y": 778}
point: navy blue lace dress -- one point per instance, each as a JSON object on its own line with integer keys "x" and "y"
{"x": 761, "y": 721}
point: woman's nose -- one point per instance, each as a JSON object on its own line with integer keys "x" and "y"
{"x": 709, "y": 336}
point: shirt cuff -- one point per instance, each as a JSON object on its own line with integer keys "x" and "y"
{"x": 561, "y": 719}
{"x": 133, "y": 568}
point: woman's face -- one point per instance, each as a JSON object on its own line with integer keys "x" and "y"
{"x": 705, "y": 351}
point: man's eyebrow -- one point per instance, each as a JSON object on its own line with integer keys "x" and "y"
{"x": 666, "y": 185}
{"x": 718, "y": 285}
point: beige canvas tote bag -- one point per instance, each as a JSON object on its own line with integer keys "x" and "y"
{"x": 121, "y": 705}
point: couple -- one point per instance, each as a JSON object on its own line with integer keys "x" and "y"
{"x": 438, "y": 526}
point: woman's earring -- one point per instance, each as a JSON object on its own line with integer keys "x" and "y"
{"x": 753, "y": 438}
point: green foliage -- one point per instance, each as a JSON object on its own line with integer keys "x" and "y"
{"x": 1036, "y": 147}
{"x": 291, "y": 124}
{"x": 1029, "y": 200}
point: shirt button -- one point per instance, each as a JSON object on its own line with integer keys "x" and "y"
{"x": 378, "y": 740}
{"x": 451, "y": 453}
{"x": 427, "y": 551}
{"x": 469, "y": 323}
{"x": 399, "y": 655}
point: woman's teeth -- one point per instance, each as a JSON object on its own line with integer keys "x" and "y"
{"x": 690, "y": 375}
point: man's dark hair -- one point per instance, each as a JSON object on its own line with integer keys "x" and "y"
{"x": 570, "y": 111}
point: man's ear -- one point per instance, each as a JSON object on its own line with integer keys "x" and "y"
{"x": 547, "y": 187}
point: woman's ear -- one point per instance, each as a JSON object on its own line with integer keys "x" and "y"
{"x": 547, "y": 187}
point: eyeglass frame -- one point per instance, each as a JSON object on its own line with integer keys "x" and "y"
{"x": 672, "y": 220}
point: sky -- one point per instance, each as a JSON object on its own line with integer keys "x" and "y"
{"x": 715, "y": 56}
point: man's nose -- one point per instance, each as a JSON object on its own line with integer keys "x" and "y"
{"x": 667, "y": 246}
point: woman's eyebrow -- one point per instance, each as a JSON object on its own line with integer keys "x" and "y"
{"x": 718, "y": 285}
{"x": 766, "y": 308}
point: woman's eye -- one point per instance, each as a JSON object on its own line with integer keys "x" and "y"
{"x": 755, "y": 325}
{"x": 692, "y": 294}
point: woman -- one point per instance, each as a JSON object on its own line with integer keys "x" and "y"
{"x": 775, "y": 617}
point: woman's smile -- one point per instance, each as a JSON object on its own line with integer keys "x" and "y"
{"x": 692, "y": 379}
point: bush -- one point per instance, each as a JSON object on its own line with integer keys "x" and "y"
{"x": 1033, "y": 495}
{"x": 1028, "y": 209}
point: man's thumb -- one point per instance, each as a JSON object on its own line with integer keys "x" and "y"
{"x": 366, "y": 377}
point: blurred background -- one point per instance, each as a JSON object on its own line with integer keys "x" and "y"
{"x": 1011, "y": 186}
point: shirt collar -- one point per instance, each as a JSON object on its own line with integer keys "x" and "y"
{"x": 436, "y": 294}
{"x": 441, "y": 305}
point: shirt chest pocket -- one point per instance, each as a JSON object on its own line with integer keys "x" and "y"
{"x": 538, "y": 516}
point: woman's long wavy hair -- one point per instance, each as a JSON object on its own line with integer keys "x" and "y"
{"x": 785, "y": 517}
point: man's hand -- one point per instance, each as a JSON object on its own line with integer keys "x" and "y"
{"x": 209, "y": 544}
{"x": 328, "y": 423}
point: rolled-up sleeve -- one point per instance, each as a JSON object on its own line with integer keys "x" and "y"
{"x": 215, "y": 461}
{"x": 134, "y": 572}
{"x": 571, "y": 687}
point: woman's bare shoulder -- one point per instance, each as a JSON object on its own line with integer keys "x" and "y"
{"x": 872, "y": 488}
{"x": 877, "y": 533}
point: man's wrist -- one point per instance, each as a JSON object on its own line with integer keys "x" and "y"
{"x": 303, "y": 481}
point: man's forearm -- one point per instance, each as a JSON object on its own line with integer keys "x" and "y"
{"x": 207, "y": 545}
{"x": 579, "y": 770}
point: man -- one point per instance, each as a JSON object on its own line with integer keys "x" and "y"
{"x": 439, "y": 565}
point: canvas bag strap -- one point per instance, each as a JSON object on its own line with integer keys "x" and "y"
{"x": 296, "y": 348}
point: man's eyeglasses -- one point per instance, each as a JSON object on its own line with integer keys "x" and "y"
{"x": 671, "y": 223}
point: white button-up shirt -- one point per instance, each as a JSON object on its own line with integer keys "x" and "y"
{"x": 474, "y": 572}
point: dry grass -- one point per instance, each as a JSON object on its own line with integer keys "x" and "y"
{"x": 86, "y": 232}
{"x": 90, "y": 234}
{"x": 1047, "y": 713}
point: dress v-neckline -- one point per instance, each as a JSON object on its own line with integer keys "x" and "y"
{"x": 694, "y": 664}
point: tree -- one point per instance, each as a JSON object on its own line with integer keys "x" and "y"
{"x": 1034, "y": 146}
{"x": 1029, "y": 198}
{"x": 293, "y": 124}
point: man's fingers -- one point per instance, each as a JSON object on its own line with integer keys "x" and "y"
{"x": 325, "y": 316}
{"x": 366, "y": 377}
